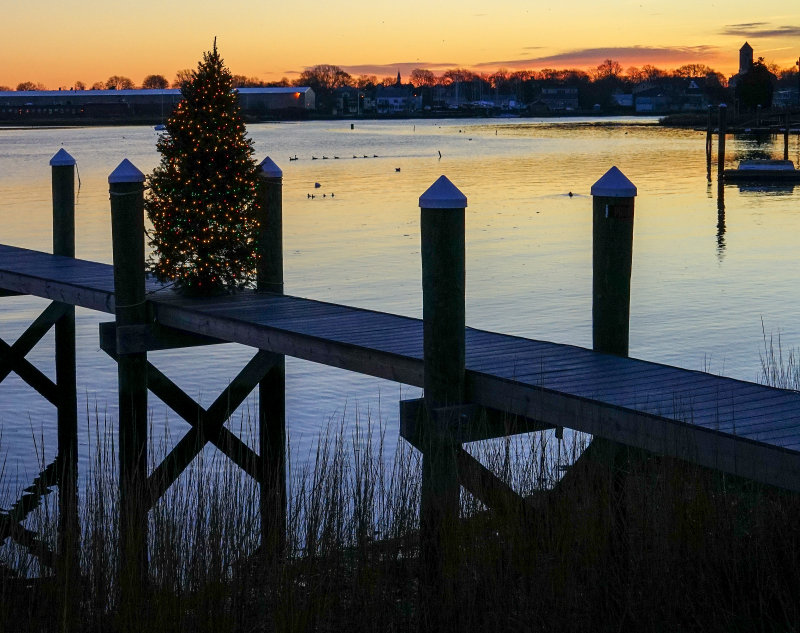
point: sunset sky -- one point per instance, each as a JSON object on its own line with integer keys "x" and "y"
{"x": 60, "y": 43}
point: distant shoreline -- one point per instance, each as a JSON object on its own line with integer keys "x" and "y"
{"x": 51, "y": 123}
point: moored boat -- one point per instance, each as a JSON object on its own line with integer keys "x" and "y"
{"x": 761, "y": 170}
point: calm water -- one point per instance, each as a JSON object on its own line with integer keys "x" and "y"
{"x": 699, "y": 294}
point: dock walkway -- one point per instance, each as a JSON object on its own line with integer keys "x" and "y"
{"x": 731, "y": 425}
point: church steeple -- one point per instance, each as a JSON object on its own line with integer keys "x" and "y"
{"x": 745, "y": 58}
{"x": 399, "y": 82}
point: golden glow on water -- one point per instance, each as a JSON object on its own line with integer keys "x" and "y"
{"x": 698, "y": 296}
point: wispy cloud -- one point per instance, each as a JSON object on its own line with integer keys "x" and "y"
{"x": 761, "y": 29}
{"x": 623, "y": 54}
{"x": 385, "y": 70}
{"x": 405, "y": 68}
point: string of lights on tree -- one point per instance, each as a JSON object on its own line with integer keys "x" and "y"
{"x": 201, "y": 198}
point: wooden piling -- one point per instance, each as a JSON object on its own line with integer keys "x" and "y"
{"x": 722, "y": 124}
{"x": 269, "y": 274}
{"x": 63, "y": 187}
{"x": 126, "y": 189}
{"x": 272, "y": 389}
{"x": 786, "y": 137}
{"x": 613, "y": 212}
{"x": 612, "y": 256}
{"x": 709, "y": 144}
{"x": 443, "y": 297}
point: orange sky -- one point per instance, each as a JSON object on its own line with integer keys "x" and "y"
{"x": 58, "y": 44}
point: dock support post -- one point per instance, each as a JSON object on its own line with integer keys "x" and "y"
{"x": 613, "y": 197}
{"x": 722, "y": 124}
{"x": 63, "y": 187}
{"x": 613, "y": 211}
{"x": 709, "y": 144}
{"x": 443, "y": 298}
{"x": 786, "y": 137}
{"x": 126, "y": 188}
{"x": 272, "y": 389}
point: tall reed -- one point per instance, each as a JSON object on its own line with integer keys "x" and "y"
{"x": 641, "y": 543}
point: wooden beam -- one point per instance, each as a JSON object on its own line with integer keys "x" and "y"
{"x": 662, "y": 436}
{"x": 474, "y": 422}
{"x": 35, "y": 378}
{"x": 367, "y": 361}
{"x": 208, "y": 427}
{"x": 32, "y": 335}
{"x": 132, "y": 339}
{"x": 177, "y": 400}
{"x": 487, "y": 487}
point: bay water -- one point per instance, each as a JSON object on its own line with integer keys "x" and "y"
{"x": 706, "y": 284}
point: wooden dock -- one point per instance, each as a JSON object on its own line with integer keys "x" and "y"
{"x": 731, "y": 425}
{"x": 477, "y": 384}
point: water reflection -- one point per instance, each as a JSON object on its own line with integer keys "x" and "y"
{"x": 720, "y": 220}
{"x": 753, "y": 146}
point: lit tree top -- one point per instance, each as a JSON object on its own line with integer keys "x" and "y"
{"x": 202, "y": 196}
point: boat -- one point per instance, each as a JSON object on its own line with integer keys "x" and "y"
{"x": 763, "y": 171}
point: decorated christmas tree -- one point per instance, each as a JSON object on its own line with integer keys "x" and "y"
{"x": 201, "y": 198}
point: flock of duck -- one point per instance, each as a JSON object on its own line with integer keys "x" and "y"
{"x": 313, "y": 196}
{"x": 295, "y": 157}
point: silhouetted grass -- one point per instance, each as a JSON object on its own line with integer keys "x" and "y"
{"x": 609, "y": 540}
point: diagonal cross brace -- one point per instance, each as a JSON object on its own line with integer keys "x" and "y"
{"x": 12, "y": 357}
{"x": 207, "y": 424}
{"x": 29, "y": 501}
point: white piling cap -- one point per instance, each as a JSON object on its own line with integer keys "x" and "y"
{"x": 126, "y": 171}
{"x": 443, "y": 194}
{"x": 614, "y": 184}
{"x": 62, "y": 159}
{"x": 270, "y": 169}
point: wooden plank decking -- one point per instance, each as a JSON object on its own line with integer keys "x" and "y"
{"x": 735, "y": 426}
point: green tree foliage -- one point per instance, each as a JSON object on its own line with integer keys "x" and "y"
{"x": 755, "y": 87}
{"x": 155, "y": 82}
{"x": 202, "y": 196}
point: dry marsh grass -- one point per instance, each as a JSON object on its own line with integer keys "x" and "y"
{"x": 610, "y": 540}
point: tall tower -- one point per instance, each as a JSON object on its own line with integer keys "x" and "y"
{"x": 745, "y": 58}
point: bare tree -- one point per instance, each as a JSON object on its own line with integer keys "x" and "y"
{"x": 181, "y": 77}
{"x": 365, "y": 82}
{"x": 324, "y": 77}
{"x": 5, "y": 88}
{"x": 609, "y": 69}
{"x": 79, "y": 85}
{"x": 155, "y": 82}
{"x": 422, "y": 77}
{"x": 651, "y": 73}
{"x": 243, "y": 81}
{"x": 688, "y": 71}
{"x": 31, "y": 85}
{"x": 119, "y": 82}
{"x": 98, "y": 85}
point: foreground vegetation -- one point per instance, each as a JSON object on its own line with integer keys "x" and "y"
{"x": 651, "y": 545}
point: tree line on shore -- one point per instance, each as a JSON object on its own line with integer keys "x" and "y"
{"x": 595, "y": 86}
